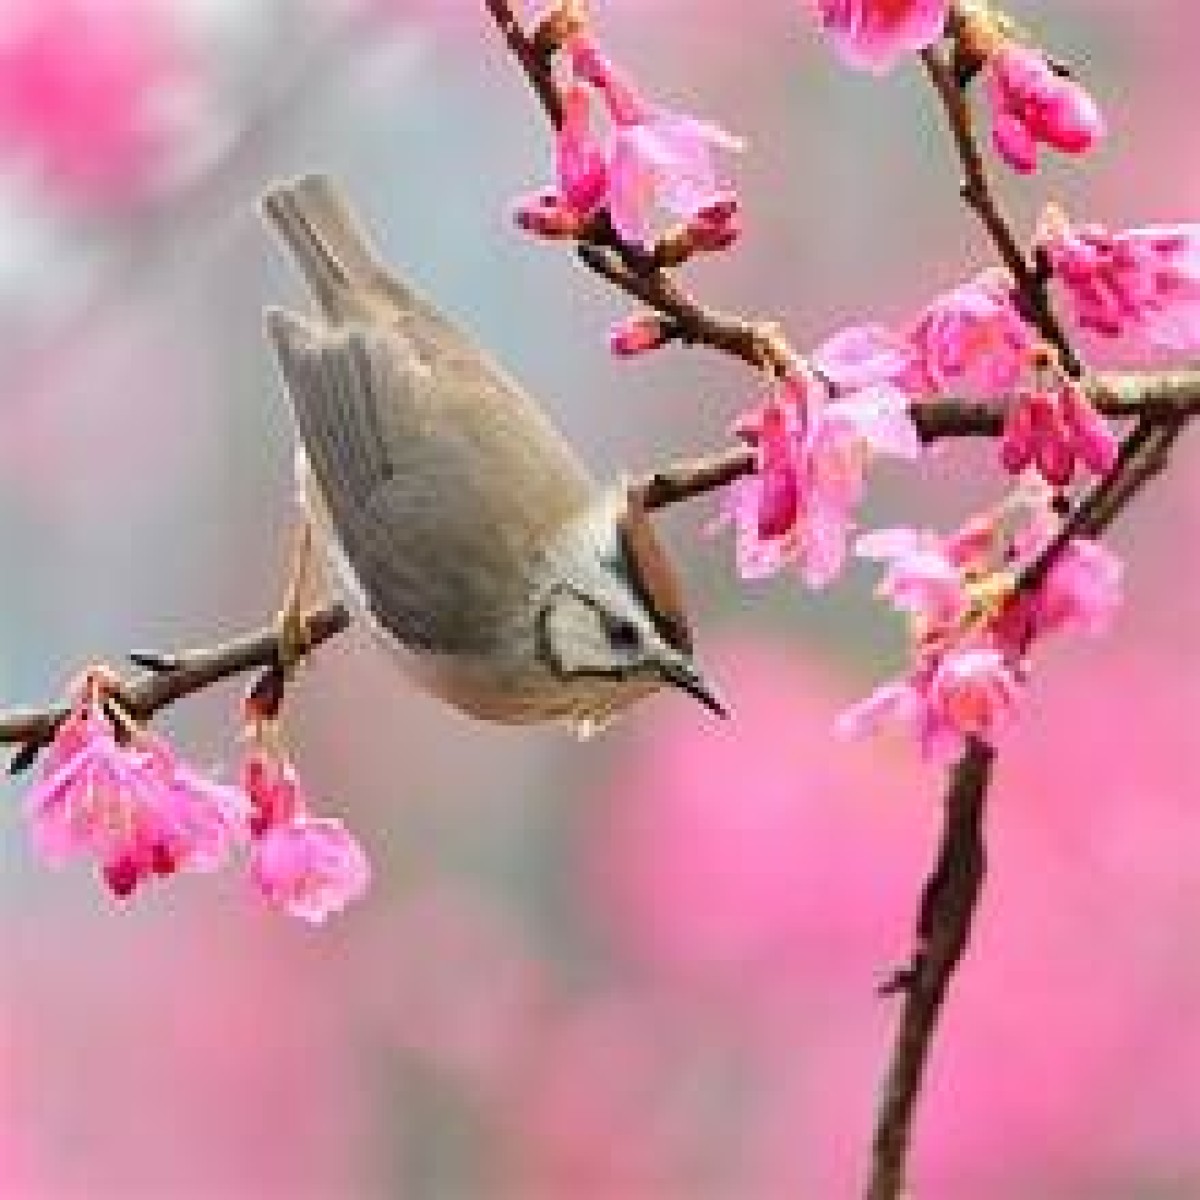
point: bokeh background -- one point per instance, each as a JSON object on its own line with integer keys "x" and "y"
{"x": 637, "y": 969}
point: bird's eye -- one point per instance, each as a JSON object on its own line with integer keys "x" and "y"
{"x": 624, "y": 635}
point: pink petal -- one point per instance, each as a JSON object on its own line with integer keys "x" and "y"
{"x": 311, "y": 867}
{"x": 897, "y": 701}
{"x": 861, "y": 355}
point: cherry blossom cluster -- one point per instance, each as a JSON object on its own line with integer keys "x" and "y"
{"x": 113, "y": 791}
{"x": 652, "y": 163}
{"x": 822, "y": 419}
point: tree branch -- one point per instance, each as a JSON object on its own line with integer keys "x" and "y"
{"x": 976, "y": 189}
{"x": 174, "y": 677}
{"x": 948, "y": 905}
{"x": 1165, "y": 402}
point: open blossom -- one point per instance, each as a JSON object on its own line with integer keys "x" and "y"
{"x": 972, "y": 338}
{"x": 1053, "y": 429}
{"x": 924, "y": 577}
{"x": 813, "y": 451}
{"x": 1143, "y": 282}
{"x": 1081, "y": 591}
{"x": 874, "y": 34}
{"x": 971, "y": 629}
{"x": 861, "y": 355}
{"x": 638, "y": 334}
{"x": 967, "y": 693}
{"x": 1032, "y": 103}
{"x": 658, "y": 159}
{"x": 136, "y": 808}
{"x": 310, "y": 866}
{"x": 969, "y": 339}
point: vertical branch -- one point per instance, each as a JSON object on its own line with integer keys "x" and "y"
{"x": 948, "y": 905}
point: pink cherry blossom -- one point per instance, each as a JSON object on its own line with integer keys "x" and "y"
{"x": 582, "y": 176}
{"x": 971, "y": 694}
{"x": 1032, "y": 103}
{"x": 99, "y": 93}
{"x": 1082, "y": 591}
{"x": 972, "y": 338}
{"x": 1052, "y": 429}
{"x": 136, "y": 808}
{"x": 965, "y": 693}
{"x": 874, "y": 34}
{"x": 1143, "y": 282}
{"x": 972, "y": 629}
{"x": 922, "y": 579}
{"x": 861, "y": 355}
{"x": 658, "y": 158}
{"x": 310, "y": 866}
{"x": 812, "y": 457}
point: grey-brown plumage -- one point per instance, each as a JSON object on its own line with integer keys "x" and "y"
{"x": 471, "y": 532}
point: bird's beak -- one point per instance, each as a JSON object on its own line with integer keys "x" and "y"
{"x": 682, "y": 673}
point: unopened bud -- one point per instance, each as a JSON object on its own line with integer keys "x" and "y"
{"x": 710, "y": 228}
{"x": 639, "y": 333}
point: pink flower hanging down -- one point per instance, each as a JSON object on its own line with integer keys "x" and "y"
{"x": 309, "y": 866}
{"x": 874, "y": 34}
{"x": 1053, "y": 429}
{"x": 1033, "y": 104}
{"x": 812, "y": 457}
{"x": 1141, "y": 282}
{"x": 136, "y": 808}
{"x": 659, "y": 159}
{"x": 582, "y": 176}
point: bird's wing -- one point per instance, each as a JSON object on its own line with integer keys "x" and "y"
{"x": 443, "y": 481}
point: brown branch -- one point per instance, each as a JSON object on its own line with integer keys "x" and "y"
{"x": 976, "y": 189}
{"x": 630, "y": 266}
{"x": 536, "y": 67}
{"x": 175, "y": 677}
{"x": 1164, "y": 402}
{"x": 1161, "y": 400}
{"x": 948, "y": 905}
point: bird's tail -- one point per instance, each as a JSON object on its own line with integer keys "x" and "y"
{"x": 326, "y": 241}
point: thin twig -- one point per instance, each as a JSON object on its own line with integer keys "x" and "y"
{"x": 976, "y": 189}
{"x": 175, "y": 676}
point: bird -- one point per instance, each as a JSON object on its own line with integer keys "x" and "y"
{"x": 457, "y": 519}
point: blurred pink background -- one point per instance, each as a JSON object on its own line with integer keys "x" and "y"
{"x": 638, "y": 969}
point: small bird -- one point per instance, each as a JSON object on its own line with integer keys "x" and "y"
{"x": 457, "y": 518}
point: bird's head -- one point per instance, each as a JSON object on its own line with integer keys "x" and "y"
{"x": 611, "y": 613}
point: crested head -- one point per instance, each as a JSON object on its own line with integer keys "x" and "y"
{"x": 610, "y": 618}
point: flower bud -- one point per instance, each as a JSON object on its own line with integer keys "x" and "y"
{"x": 639, "y": 333}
